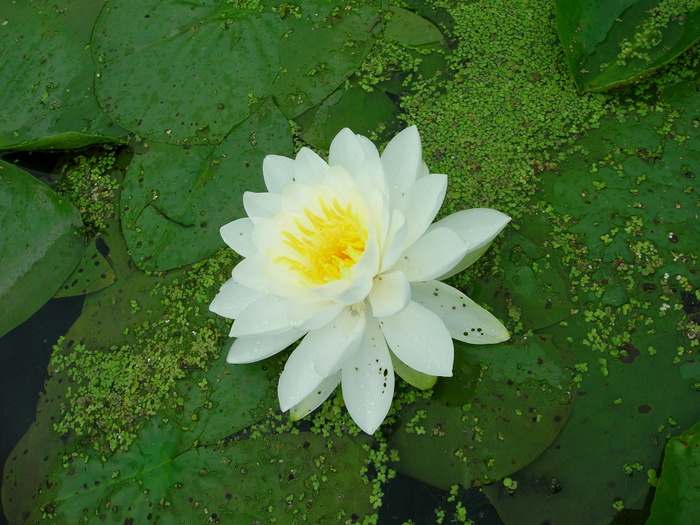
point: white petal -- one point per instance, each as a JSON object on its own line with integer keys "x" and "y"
{"x": 368, "y": 380}
{"x": 278, "y": 172}
{"x": 232, "y": 299}
{"x": 465, "y": 320}
{"x": 250, "y": 348}
{"x": 477, "y": 227}
{"x": 261, "y": 206}
{"x": 315, "y": 398}
{"x": 299, "y": 377}
{"x": 421, "y": 203}
{"x": 349, "y": 150}
{"x": 337, "y": 339}
{"x": 309, "y": 168}
{"x": 238, "y": 235}
{"x": 263, "y": 316}
{"x": 395, "y": 242}
{"x": 250, "y": 272}
{"x": 403, "y": 162}
{"x": 432, "y": 255}
{"x": 419, "y": 338}
{"x": 311, "y": 315}
{"x": 390, "y": 294}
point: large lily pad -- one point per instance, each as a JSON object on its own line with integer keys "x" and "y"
{"x": 629, "y": 230}
{"x": 504, "y": 405}
{"x": 677, "y": 498}
{"x": 40, "y": 244}
{"x": 175, "y": 198}
{"x": 325, "y": 45}
{"x": 611, "y": 42}
{"x": 48, "y": 99}
{"x": 184, "y": 72}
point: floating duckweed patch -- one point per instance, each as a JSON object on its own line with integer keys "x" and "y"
{"x": 115, "y": 389}
{"x": 506, "y": 101}
{"x": 89, "y": 183}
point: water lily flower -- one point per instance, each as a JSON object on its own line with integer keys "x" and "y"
{"x": 345, "y": 255}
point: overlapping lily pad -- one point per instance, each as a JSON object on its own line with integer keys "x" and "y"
{"x": 609, "y": 43}
{"x": 504, "y": 405}
{"x": 40, "y": 244}
{"x": 47, "y": 87}
{"x": 175, "y": 198}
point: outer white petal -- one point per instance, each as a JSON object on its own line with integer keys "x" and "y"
{"x": 395, "y": 242}
{"x": 349, "y": 150}
{"x": 238, "y": 235}
{"x": 278, "y": 172}
{"x": 315, "y": 398}
{"x": 250, "y": 272}
{"x": 311, "y": 315}
{"x": 299, "y": 377}
{"x": 232, "y": 299}
{"x": 263, "y": 316}
{"x": 466, "y": 320}
{"x": 478, "y": 227}
{"x": 403, "y": 162}
{"x": 261, "y": 206}
{"x": 390, "y": 294}
{"x": 420, "y": 339}
{"x": 250, "y": 348}
{"x": 309, "y": 168}
{"x": 337, "y": 339}
{"x": 432, "y": 255}
{"x": 421, "y": 203}
{"x": 368, "y": 380}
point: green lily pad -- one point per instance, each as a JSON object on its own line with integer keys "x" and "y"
{"x": 504, "y": 405}
{"x": 175, "y": 198}
{"x": 411, "y": 29}
{"x": 325, "y": 45}
{"x": 48, "y": 100}
{"x": 183, "y": 73}
{"x": 629, "y": 233}
{"x": 677, "y": 498}
{"x": 93, "y": 273}
{"x": 610, "y": 42}
{"x": 41, "y": 244}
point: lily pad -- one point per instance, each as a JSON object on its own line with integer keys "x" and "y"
{"x": 611, "y": 42}
{"x": 175, "y": 198}
{"x": 40, "y": 245}
{"x": 184, "y": 73}
{"x": 92, "y": 274}
{"x": 677, "y": 498}
{"x": 48, "y": 100}
{"x": 326, "y": 43}
{"x": 504, "y": 405}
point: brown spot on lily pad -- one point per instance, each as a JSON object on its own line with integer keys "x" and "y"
{"x": 631, "y": 351}
{"x": 644, "y": 409}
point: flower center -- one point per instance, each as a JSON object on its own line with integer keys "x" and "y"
{"x": 326, "y": 244}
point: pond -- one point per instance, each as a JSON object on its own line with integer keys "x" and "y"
{"x": 531, "y": 356}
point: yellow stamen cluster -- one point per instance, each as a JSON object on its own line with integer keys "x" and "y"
{"x": 325, "y": 244}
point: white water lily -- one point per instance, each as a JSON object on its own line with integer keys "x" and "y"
{"x": 344, "y": 255}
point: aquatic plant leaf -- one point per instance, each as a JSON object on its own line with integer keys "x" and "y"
{"x": 677, "y": 498}
{"x": 184, "y": 73}
{"x": 532, "y": 284}
{"x": 364, "y": 112}
{"x": 40, "y": 244}
{"x": 92, "y": 273}
{"x": 324, "y": 46}
{"x": 411, "y": 29}
{"x": 609, "y": 43}
{"x": 175, "y": 198}
{"x": 503, "y": 406}
{"x": 48, "y": 99}
{"x": 633, "y": 212}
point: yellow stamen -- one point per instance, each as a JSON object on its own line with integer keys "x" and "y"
{"x": 325, "y": 245}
